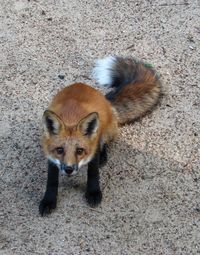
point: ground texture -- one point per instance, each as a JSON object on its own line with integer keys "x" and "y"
{"x": 151, "y": 200}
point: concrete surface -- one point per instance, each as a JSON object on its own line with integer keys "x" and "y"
{"x": 150, "y": 185}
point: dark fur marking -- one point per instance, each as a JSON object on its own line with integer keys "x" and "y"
{"x": 50, "y": 197}
{"x": 124, "y": 73}
{"x": 91, "y": 126}
{"x": 93, "y": 193}
{"x": 50, "y": 126}
{"x": 103, "y": 155}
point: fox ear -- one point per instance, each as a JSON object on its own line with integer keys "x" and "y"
{"x": 90, "y": 124}
{"x": 52, "y": 123}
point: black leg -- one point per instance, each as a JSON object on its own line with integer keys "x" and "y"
{"x": 93, "y": 192}
{"x": 50, "y": 197}
{"x": 103, "y": 155}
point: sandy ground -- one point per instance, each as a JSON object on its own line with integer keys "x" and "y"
{"x": 151, "y": 202}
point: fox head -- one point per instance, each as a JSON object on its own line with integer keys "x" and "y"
{"x": 70, "y": 147}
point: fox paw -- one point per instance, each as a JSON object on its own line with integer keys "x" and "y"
{"x": 46, "y": 206}
{"x": 93, "y": 198}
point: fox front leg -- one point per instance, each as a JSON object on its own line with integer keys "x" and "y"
{"x": 50, "y": 197}
{"x": 93, "y": 192}
{"x": 103, "y": 155}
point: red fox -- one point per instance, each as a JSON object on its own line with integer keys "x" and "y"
{"x": 80, "y": 122}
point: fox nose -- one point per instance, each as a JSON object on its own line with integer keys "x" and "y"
{"x": 69, "y": 169}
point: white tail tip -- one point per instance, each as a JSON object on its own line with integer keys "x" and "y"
{"x": 103, "y": 70}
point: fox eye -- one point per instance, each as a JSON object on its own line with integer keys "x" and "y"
{"x": 79, "y": 151}
{"x": 60, "y": 150}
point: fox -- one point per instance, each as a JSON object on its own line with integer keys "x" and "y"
{"x": 80, "y": 122}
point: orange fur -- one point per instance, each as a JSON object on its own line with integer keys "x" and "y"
{"x": 71, "y": 105}
{"x": 138, "y": 96}
{"x": 78, "y": 100}
{"x": 80, "y": 121}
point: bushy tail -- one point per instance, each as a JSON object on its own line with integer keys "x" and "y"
{"x": 135, "y": 86}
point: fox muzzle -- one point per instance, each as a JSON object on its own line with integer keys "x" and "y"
{"x": 69, "y": 170}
